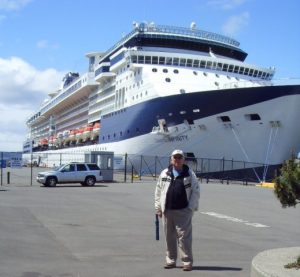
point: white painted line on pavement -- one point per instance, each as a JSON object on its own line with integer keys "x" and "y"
{"x": 234, "y": 219}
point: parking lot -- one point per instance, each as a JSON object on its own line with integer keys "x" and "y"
{"x": 109, "y": 230}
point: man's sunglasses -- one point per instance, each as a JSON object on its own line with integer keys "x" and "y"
{"x": 177, "y": 157}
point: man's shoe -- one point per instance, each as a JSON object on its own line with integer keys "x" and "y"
{"x": 187, "y": 267}
{"x": 168, "y": 266}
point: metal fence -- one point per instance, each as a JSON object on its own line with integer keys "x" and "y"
{"x": 132, "y": 168}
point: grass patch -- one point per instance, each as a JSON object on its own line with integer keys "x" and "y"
{"x": 295, "y": 264}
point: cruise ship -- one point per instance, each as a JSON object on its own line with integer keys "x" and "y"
{"x": 162, "y": 88}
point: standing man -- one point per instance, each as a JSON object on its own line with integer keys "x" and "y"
{"x": 176, "y": 198}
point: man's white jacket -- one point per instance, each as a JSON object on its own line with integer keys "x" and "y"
{"x": 191, "y": 186}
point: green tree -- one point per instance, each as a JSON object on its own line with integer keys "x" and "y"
{"x": 287, "y": 184}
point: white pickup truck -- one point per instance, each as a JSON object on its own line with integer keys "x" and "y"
{"x": 87, "y": 174}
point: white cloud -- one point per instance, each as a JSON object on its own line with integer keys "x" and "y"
{"x": 13, "y": 5}
{"x": 22, "y": 90}
{"x": 235, "y": 24}
{"x": 226, "y": 4}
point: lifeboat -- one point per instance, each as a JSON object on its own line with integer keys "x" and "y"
{"x": 95, "y": 132}
{"x": 43, "y": 142}
{"x": 87, "y": 132}
{"x": 79, "y": 135}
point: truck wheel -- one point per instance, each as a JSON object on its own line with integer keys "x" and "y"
{"x": 51, "y": 182}
{"x": 90, "y": 181}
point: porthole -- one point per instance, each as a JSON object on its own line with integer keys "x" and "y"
{"x": 217, "y": 84}
{"x": 168, "y": 80}
{"x": 182, "y": 112}
{"x": 154, "y": 70}
{"x": 182, "y": 91}
{"x": 176, "y": 71}
{"x": 228, "y": 77}
{"x": 217, "y": 75}
{"x": 196, "y": 110}
{"x": 195, "y": 73}
{"x": 205, "y": 74}
{"x": 165, "y": 70}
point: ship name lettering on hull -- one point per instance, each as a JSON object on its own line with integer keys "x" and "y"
{"x": 178, "y": 138}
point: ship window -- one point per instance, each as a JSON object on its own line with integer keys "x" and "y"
{"x": 237, "y": 78}
{"x": 228, "y": 77}
{"x": 246, "y": 71}
{"x": 168, "y": 80}
{"x": 141, "y": 59}
{"x": 176, "y": 71}
{"x": 121, "y": 134}
{"x": 134, "y": 59}
{"x": 189, "y": 62}
{"x": 208, "y": 65}
{"x": 242, "y": 70}
{"x": 161, "y": 60}
{"x": 196, "y": 110}
{"x": 182, "y": 62}
{"x": 195, "y": 72}
{"x": 182, "y": 91}
{"x": 196, "y": 63}
{"x": 165, "y": 70}
{"x": 217, "y": 84}
{"x": 148, "y": 59}
{"x": 225, "y": 67}
{"x": 202, "y": 64}
{"x": 182, "y": 112}
{"x": 220, "y": 65}
{"x": 224, "y": 118}
{"x": 175, "y": 61}
{"x": 155, "y": 60}
{"x": 205, "y": 74}
{"x": 170, "y": 114}
{"x": 230, "y": 69}
{"x": 259, "y": 74}
{"x": 217, "y": 75}
{"x": 255, "y": 73}
{"x": 168, "y": 61}
{"x": 236, "y": 69}
{"x": 252, "y": 116}
{"x": 251, "y": 72}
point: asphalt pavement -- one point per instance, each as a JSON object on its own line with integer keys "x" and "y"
{"x": 109, "y": 230}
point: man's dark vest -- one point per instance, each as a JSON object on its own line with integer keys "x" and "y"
{"x": 176, "y": 194}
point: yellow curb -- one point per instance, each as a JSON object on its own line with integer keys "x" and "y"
{"x": 266, "y": 185}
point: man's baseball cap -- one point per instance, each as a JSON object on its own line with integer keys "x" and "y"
{"x": 177, "y": 152}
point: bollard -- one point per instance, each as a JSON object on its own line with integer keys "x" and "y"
{"x": 8, "y": 177}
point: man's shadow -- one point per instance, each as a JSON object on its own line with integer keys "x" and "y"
{"x": 216, "y": 268}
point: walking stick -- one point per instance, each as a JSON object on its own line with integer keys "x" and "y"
{"x": 156, "y": 227}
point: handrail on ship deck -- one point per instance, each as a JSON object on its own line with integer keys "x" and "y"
{"x": 171, "y": 30}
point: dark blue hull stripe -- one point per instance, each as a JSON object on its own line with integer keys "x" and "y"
{"x": 141, "y": 118}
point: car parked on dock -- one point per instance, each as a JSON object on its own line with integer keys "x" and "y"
{"x": 87, "y": 174}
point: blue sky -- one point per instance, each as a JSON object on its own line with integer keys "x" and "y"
{"x": 41, "y": 40}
